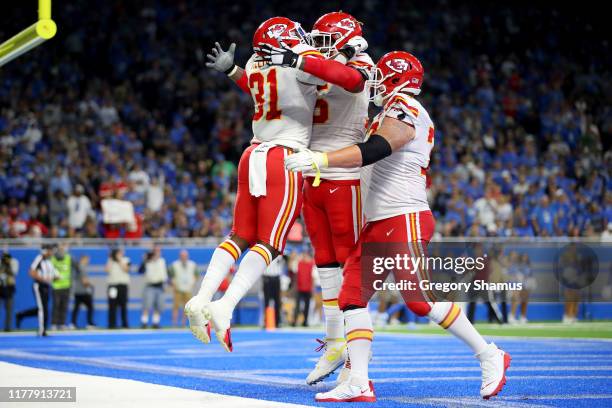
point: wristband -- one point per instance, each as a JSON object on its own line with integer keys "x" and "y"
{"x": 231, "y": 71}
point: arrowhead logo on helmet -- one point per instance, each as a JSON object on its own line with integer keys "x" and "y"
{"x": 398, "y": 65}
{"x": 276, "y": 30}
{"x": 346, "y": 23}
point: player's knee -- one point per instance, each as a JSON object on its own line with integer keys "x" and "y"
{"x": 324, "y": 257}
{"x": 342, "y": 254}
{"x": 419, "y": 308}
{"x": 273, "y": 251}
{"x": 243, "y": 242}
{"x": 345, "y": 303}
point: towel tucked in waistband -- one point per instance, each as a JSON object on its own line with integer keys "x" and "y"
{"x": 258, "y": 169}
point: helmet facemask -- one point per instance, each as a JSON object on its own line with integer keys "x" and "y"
{"x": 376, "y": 87}
{"x": 325, "y": 43}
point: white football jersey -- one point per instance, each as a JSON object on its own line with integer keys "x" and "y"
{"x": 340, "y": 120}
{"x": 396, "y": 184}
{"x": 284, "y": 101}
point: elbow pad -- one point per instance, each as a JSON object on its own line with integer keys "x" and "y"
{"x": 374, "y": 149}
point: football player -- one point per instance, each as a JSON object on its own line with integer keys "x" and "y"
{"x": 332, "y": 210}
{"x": 394, "y": 158}
{"x": 265, "y": 210}
{"x": 269, "y": 197}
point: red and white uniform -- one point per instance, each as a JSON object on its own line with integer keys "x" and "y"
{"x": 397, "y": 184}
{"x": 398, "y": 217}
{"x": 333, "y": 211}
{"x": 284, "y": 101}
{"x": 284, "y": 105}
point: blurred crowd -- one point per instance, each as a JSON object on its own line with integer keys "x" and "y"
{"x": 119, "y": 105}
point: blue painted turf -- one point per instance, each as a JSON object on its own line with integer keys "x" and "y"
{"x": 408, "y": 370}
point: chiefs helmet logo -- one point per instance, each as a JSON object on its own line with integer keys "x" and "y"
{"x": 276, "y": 30}
{"x": 398, "y": 65}
{"x": 346, "y": 23}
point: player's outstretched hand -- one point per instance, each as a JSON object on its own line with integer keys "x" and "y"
{"x": 219, "y": 60}
{"x": 194, "y": 310}
{"x": 354, "y": 46}
{"x": 282, "y": 56}
{"x": 305, "y": 160}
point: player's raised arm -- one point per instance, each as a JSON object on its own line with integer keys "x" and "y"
{"x": 331, "y": 71}
{"x": 223, "y": 61}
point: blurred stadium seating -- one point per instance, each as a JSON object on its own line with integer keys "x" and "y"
{"x": 120, "y": 103}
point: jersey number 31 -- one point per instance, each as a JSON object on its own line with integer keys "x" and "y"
{"x": 257, "y": 84}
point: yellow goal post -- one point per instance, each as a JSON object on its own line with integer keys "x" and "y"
{"x": 39, "y": 32}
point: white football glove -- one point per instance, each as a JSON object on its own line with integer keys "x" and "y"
{"x": 358, "y": 43}
{"x": 194, "y": 310}
{"x": 222, "y": 61}
{"x": 305, "y": 160}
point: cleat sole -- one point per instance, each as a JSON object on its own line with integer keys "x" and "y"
{"x": 500, "y": 386}
{"x": 321, "y": 378}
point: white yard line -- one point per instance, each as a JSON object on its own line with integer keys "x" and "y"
{"x": 95, "y": 391}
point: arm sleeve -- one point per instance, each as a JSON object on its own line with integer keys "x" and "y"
{"x": 306, "y": 51}
{"x": 334, "y": 72}
{"x": 243, "y": 83}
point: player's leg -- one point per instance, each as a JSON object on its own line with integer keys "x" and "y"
{"x": 344, "y": 212}
{"x": 276, "y": 213}
{"x": 449, "y": 316}
{"x": 319, "y": 229}
{"x": 353, "y": 299}
{"x": 227, "y": 253}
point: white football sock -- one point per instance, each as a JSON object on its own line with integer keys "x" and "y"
{"x": 250, "y": 270}
{"x": 222, "y": 260}
{"x": 331, "y": 280}
{"x": 450, "y": 317}
{"x": 359, "y": 336}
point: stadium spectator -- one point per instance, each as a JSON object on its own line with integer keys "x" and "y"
{"x": 79, "y": 208}
{"x": 183, "y": 276}
{"x": 118, "y": 270}
{"x": 83, "y": 293}
{"x": 506, "y": 115}
{"x": 156, "y": 275}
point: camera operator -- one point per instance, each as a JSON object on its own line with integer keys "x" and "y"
{"x": 156, "y": 274}
{"x": 9, "y": 267}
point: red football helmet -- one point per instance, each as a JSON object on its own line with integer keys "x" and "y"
{"x": 332, "y": 30}
{"x": 277, "y": 31}
{"x": 394, "y": 72}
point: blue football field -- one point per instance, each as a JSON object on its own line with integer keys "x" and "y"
{"x": 407, "y": 370}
